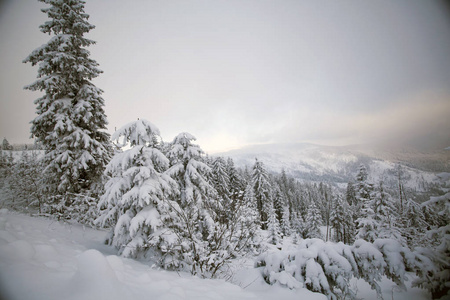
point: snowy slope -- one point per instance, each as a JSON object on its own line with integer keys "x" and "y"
{"x": 339, "y": 165}
{"x": 44, "y": 259}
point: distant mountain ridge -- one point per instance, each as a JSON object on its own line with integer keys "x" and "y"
{"x": 339, "y": 164}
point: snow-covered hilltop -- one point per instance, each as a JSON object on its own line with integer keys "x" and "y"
{"x": 310, "y": 162}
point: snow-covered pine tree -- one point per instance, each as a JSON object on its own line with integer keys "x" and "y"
{"x": 279, "y": 201}
{"x": 244, "y": 227}
{"x": 285, "y": 222}
{"x": 199, "y": 205}
{"x": 363, "y": 188}
{"x": 363, "y": 209}
{"x": 386, "y": 214}
{"x": 220, "y": 176}
{"x": 136, "y": 200}
{"x": 236, "y": 184}
{"x": 341, "y": 221}
{"x": 413, "y": 224}
{"x": 262, "y": 191}
{"x": 298, "y": 226}
{"x": 6, "y": 145}
{"x": 221, "y": 183}
{"x": 273, "y": 226}
{"x": 190, "y": 172}
{"x": 313, "y": 222}
{"x": 24, "y": 182}
{"x": 250, "y": 207}
{"x": 71, "y": 118}
{"x": 367, "y": 224}
{"x": 6, "y": 165}
{"x": 350, "y": 194}
{"x": 437, "y": 276}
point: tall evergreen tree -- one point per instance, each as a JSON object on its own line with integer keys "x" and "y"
{"x": 285, "y": 222}
{"x": 279, "y": 201}
{"x": 71, "y": 118}
{"x": 262, "y": 191}
{"x": 221, "y": 182}
{"x": 313, "y": 222}
{"x": 350, "y": 194}
{"x": 413, "y": 223}
{"x": 341, "y": 221}
{"x": 363, "y": 187}
{"x": 273, "y": 226}
{"x": 236, "y": 185}
{"x": 249, "y": 202}
{"x": 298, "y": 226}
{"x": 386, "y": 214}
{"x": 363, "y": 208}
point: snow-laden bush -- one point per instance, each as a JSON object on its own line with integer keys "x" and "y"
{"x": 327, "y": 267}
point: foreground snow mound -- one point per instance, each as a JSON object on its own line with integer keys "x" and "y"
{"x": 44, "y": 260}
{"x": 94, "y": 278}
{"x": 330, "y": 268}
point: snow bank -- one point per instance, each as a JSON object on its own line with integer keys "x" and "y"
{"x": 43, "y": 260}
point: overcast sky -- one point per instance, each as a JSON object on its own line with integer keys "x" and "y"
{"x": 234, "y": 73}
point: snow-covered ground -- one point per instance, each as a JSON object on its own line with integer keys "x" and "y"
{"x": 45, "y": 259}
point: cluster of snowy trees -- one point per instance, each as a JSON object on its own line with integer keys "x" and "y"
{"x": 164, "y": 201}
{"x": 172, "y": 204}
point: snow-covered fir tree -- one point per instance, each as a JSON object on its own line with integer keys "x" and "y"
{"x": 386, "y": 215}
{"x": 190, "y": 172}
{"x": 285, "y": 224}
{"x": 221, "y": 183}
{"x": 250, "y": 207}
{"x": 6, "y": 145}
{"x": 363, "y": 210}
{"x": 246, "y": 222}
{"x": 24, "y": 181}
{"x": 413, "y": 224}
{"x": 341, "y": 221}
{"x": 313, "y": 222}
{"x": 363, "y": 188}
{"x": 367, "y": 224}
{"x": 437, "y": 276}
{"x": 200, "y": 208}
{"x": 296, "y": 227}
{"x": 237, "y": 185}
{"x": 273, "y": 226}
{"x": 279, "y": 201}
{"x": 350, "y": 194}
{"x": 236, "y": 182}
{"x": 262, "y": 190}
{"x": 136, "y": 199}
{"x": 70, "y": 120}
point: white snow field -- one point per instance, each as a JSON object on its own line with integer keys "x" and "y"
{"x": 45, "y": 259}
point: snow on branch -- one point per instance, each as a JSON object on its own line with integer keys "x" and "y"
{"x": 138, "y": 132}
